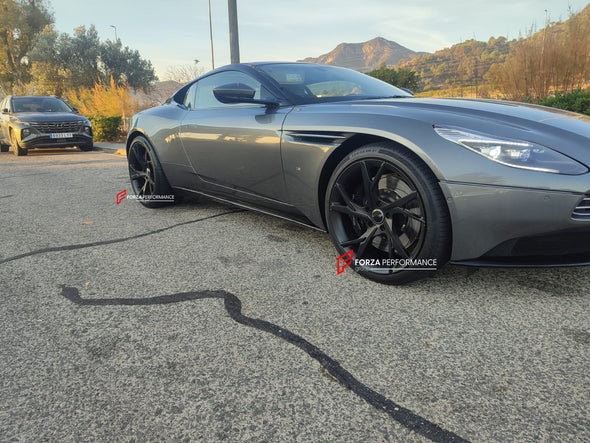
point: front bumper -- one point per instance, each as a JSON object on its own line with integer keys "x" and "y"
{"x": 505, "y": 226}
{"x": 45, "y": 141}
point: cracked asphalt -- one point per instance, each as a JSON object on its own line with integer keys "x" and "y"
{"x": 199, "y": 322}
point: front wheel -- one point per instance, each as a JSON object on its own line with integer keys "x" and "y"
{"x": 87, "y": 147}
{"x": 147, "y": 176}
{"x": 385, "y": 205}
{"x": 16, "y": 148}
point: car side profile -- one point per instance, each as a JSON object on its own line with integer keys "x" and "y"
{"x": 402, "y": 184}
{"x": 28, "y": 122}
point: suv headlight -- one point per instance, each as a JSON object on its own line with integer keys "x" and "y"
{"x": 515, "y": 153}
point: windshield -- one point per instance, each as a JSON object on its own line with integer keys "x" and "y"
{"x": 39, "y": 104}
{"x": 309, "y": 83}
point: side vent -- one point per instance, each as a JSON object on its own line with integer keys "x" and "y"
{"x": 582, "y": 210}
{"x": 323, "y": 138}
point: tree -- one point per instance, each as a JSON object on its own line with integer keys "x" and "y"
{"x": 125, "y": 66}
{"x": 21, "y": 21}
{"x": 555, "y": 58}
{"x": 61, "y": 62}
{"x": 184, "y": 73}
{"x": 402, "y": 78}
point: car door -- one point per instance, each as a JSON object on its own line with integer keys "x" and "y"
{"x": 235, "y": 148}
{"x": 4, "y": 122}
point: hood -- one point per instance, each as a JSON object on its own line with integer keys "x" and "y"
{"x": 567, "y": 132}
{"x": 31, "y": 117}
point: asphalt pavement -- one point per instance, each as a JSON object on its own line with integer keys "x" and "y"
{"x": 201, "y": 322}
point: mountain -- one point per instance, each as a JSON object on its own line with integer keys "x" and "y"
{"x": 365, "y": 56}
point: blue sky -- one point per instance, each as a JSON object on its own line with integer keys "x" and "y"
{"x": 176, "y": 32}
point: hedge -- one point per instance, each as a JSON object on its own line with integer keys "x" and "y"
{"x": 577, "y": 101}
{"x": 106, "y": 129}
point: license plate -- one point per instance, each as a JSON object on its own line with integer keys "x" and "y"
{"x": 62, "y": 135}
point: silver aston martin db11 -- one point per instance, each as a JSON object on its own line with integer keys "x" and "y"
{"x": 402, "y": 184}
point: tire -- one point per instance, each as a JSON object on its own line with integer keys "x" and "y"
{"x": 4, "y": 148}
{"x": 146, "y": 174}
{"x": 87, "y": 147}
{"x": 385, "y": 205}
{"x": 18, "y": 151}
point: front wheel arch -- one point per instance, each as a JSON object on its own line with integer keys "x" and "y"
{"x": 355, "y": 142}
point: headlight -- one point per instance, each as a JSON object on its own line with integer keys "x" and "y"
{"x": 515, "y": 153}
{"x": 25, "y": 132}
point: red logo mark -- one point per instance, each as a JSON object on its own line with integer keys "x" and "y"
{"x": 345, "y": 261}
{"x": 121, "y": 196}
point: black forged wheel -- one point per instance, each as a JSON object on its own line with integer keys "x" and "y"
{"x": 147, "y": 177}
{"x": 385, "y": 205}
{"x": 18, "y": 151}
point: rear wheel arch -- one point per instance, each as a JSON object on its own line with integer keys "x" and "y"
{"x": 137, "y": 133}
{"x": 132, "y": 137}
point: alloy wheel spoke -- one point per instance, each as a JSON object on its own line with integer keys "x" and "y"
{"x": 413, "y": 216}
{"x": 377, "y": 176}
{"x": 138, "y": 158}
{"x": 134, "y": 173}
{"x": 367, "y": 185}
{"x": 351, "y": 207}
{"x": 361, "y": 241}
{"x": 396, "y": 243}
{"x": 401, "y": 201}
{"x": 370, "y": 234}
{"x": 351, "y": 212}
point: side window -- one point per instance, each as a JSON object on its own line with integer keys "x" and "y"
{"x": 205, "y": 98}
{"x": 189, "y": 98}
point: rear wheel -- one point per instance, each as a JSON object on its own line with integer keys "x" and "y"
{"x": 4, "y": 148}
{"x": 385, "y": 205}
{"x": 147, "y": 177}
{"x": 18, "y": 151}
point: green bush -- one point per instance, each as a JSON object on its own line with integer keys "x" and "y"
{"x": 576, "y": 101}
{"x": 106, "y": 129}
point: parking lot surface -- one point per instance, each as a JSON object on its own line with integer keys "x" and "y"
{"x": 201, "y": 322}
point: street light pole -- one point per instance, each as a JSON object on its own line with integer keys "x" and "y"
{"x": 115, "y": 28}
{"x": 234, "y": 45}
{"x": 211, "y": 37}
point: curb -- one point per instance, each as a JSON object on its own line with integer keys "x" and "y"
{"x": 111, "y": 148}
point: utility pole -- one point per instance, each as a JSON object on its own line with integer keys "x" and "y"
{"x": 211, "y": 37}
{"x": 234, "y": 44}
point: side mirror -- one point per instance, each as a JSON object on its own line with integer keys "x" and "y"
{"x": 5, "y": 111}
{"x": 238, "y": 93}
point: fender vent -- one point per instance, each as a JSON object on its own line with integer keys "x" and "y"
{"x": 582, "y": 211}
{"x": 321, "y": 138}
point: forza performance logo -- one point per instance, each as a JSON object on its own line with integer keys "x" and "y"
{"x": 121, "y": 196}
{"x": 385, "y": 264}
{"x": 344, "y": 261}
{"x": 152, "y": 198}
